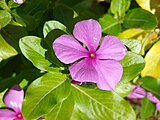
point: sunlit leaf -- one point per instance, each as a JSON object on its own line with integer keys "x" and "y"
{"x": 51, "y": 25}
{"x": 152, "y": 59}
{"x": 132, "y": 66}
{"x": 5, "y": 18}
{"x": 145, "y": 4}
{"x": 62, "y": 110}
{"x": 130, "y": 33}
{"x": 32, "y": 50}
{"x": 110, "y": 25}
{"x": 95, "y": 104}
{"x": 6, "y": 50}
{"x": 44, "y": 93}
{"x": 133, "y": 44}
{"x": 119, "y": 7}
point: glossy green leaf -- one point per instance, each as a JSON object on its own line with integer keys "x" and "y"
{"x": 110, "y": 25}
{"x": 143, "y": 19}
{"x": 3, "y": 5}
{"x": 133, "y": 44}
{"x": 151, "y": 84}
{"x": 147, "y": 108}
{"x": 152, "y": 66}
{"x": 6, "y": 50}
{"x": 44, "y": 94}
{"x": 123, "y": 88}
{"x": 51, "y": 25}
{"x": 5, "y": 18}
{"x": 95, "y": 104}
{"x": 32, "y": 50}
{"x": 119, "y": 7}
{"x": 62, "y": 110}
{"x": 132, "y": 66}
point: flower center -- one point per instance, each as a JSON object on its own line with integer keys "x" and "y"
{"x": 92, "y": 55}
{"x": 19, "y": 116}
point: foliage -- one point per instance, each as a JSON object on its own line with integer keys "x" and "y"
{"x": 27, "y": 32}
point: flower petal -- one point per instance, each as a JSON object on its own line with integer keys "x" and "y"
{"x": 158, "y": 106}
{"x": 137, "y": 92}
{"x": 14, "y": 98}
{"x": 111, "y": 48}
{"x": 152, "y": 98}
{"x": 84, "y": 71}
{"x": 109, "y": 73}
{"x": 89, "y": 33}
{"x": 68, "y": 50}
{"x": 7, "y": 114}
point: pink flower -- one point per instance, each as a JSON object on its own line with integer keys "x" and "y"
{"x": 97, "y": 65}
{"x": 137, "y": 92}
{"x": 13, "y": 99}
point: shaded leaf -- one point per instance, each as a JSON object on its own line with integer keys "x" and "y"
{"x": 143, "y": 19}
{"x": 151, "y": 84}
{"x": 147, "y": 108}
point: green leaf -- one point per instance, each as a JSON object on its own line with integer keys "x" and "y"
{"x": 62, "y": 110}
{"x": 51, "y": 25}
{"x": 119, "y": 7}
{"x": 33, "y": 51}
{"x": 6, "y": 50}
{"x": 133, "y": 44}
{"x": 152, "y": 66}
{"x": 132, "y": 66}
{"x": 143, "y": 19}
{"x": 147, "y": 109}
{"x": 43, "y": 94}
{"x": 95, "y": 104}
{"x": 110, "y": 25}
{"x": 151, "y": 84}
{"x": 123, "y": 88}
{"x": 5, "y": 18}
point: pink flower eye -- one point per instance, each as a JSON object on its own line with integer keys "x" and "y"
{"x": 19, "y": 116}
{"x": 92, "y": 55}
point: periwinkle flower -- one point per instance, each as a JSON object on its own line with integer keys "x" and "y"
{"x": 13, "y": 99}
{"x": 138, "y": 93}
{"x": 97, "y": 65}
{"x": 19, "y": 1}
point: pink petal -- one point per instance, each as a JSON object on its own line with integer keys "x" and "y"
{"x": 109, "y": 73}
{"x": 68, "y": 50}
{"x": 84, "y": 71}
{"x": 89, "y": 33}
{"x": 14, "y": 98}
{"x": 111, "y": 48}
{"x": 137, "y": 92}
{"x": 152, "y": 98}
{"x": 7, "y": 114}
{"x": 158, "y": 106}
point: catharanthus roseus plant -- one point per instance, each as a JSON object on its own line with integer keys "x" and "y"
{"x": 97, "y": 65}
